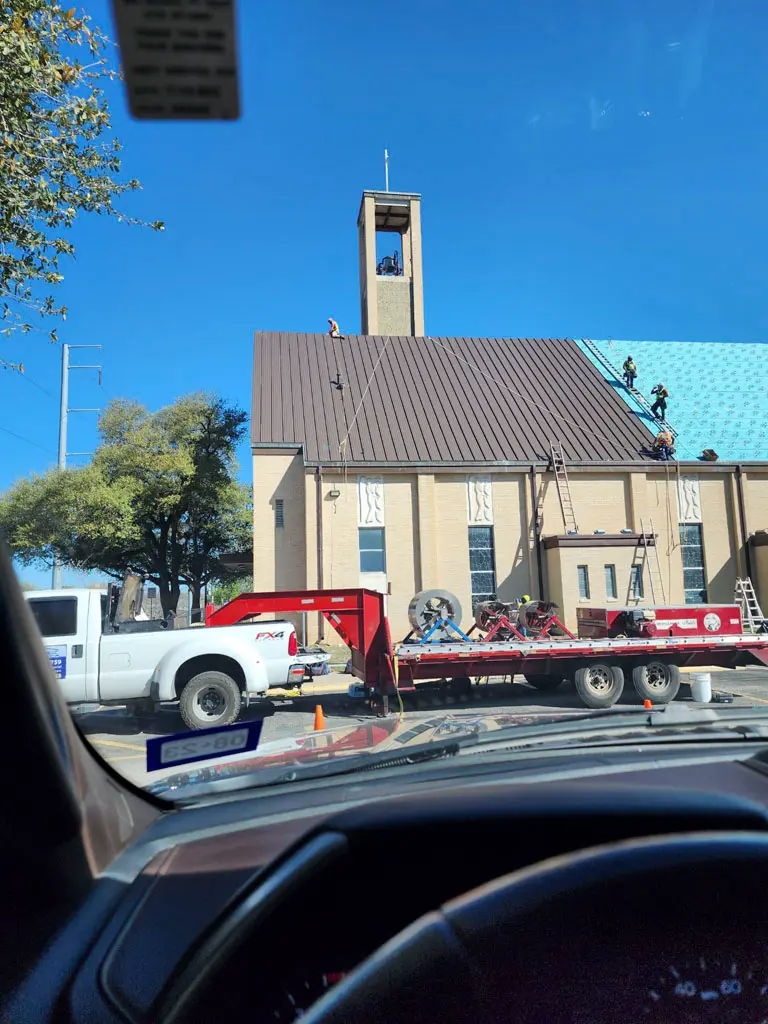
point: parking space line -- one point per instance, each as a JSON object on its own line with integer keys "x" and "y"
{"x": 116, "y": 743}
{"x": 123, "y": 757}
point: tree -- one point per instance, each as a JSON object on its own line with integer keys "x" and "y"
{"x": 159, "y": 499}
{"x": 228, "y": 590}
{"x": 53, "y": 164}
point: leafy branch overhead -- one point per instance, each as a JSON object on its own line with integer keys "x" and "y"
{"x": 54, "y": 163}
{"x": 159, "y": 498}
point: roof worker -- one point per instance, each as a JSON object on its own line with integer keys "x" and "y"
{"x": 659, "y": 407}
{"x": 522, "y": 628}
{"x": 333, "y": 330}
{"x": 663, "y": 445}
{"x": 630, "y": 372}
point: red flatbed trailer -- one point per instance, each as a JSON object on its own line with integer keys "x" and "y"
{"x": 597, "y": 665}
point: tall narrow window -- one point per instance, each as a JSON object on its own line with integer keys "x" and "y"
{"x": 636, "y": 582}
{"x": 583, "y": 574}
{"x": 482, "y": 568}
{"x": 610, "y": 583}
{"x": 372, "y": 552}
{"x": 692, "y": 550}
{"x": 279, "y": 520}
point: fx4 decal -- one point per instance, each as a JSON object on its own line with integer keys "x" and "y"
{"x": 270, "y": 636}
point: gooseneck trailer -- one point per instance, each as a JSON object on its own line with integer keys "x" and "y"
{"x": 647, "y": 646}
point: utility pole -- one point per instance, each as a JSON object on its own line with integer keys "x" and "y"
{"x": 64, "y": 411}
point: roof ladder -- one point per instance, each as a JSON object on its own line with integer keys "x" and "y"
{"x": 557, "y": 462}
{"x": 638, "y": 396}
{"x": 744, "y": 595}
{"x": 652, "y": 562}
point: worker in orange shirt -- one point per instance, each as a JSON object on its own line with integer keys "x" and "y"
{"x": 333, "y": 330}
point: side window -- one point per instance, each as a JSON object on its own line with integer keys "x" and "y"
{"x": 55, "y": 616}
{"x": 372, "y": 550}
{"x": 582, "y": 572}
{"x": 692, "y": 550}
{"x": 636, "y": 582}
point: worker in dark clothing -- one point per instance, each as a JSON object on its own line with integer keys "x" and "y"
{"x": 630, "y": 371}
{"x": 659, "y": 407}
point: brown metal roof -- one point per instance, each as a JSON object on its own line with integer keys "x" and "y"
{"x": 437, "y": 400}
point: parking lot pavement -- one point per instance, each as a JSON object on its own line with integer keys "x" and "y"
{"x": 120, "y": 739}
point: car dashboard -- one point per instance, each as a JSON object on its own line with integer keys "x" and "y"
{"x": 218, "y": 914}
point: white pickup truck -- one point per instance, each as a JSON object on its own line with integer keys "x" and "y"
{"x": 211, "y": 672}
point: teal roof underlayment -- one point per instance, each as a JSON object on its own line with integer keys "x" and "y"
{"x": 718, "y": 392}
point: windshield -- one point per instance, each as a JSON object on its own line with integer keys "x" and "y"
{"x": 497, "y": 464}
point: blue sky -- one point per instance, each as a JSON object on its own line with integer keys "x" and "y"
{"x": 586, "y": 169}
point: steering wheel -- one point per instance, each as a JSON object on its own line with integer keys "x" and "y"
{"x": 661, "y": 929}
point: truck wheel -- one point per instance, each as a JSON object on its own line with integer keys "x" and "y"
{"x": 599, "y": 685}
{"x": 656, "y": 681}
{"x": 208, "y": 699}
{"x": 544, "y": 682}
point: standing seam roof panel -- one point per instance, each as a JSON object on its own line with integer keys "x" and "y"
{"x": 438, "y": 400}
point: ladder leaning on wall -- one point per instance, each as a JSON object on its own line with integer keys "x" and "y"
{"x": 652, "y": 561}
{"x": 557, "y": 463}
{"x": 744, "y": 596}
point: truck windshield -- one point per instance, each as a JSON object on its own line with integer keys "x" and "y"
{"x": 502, "y": 452}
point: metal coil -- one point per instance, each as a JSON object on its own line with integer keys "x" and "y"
{"x": 431, "y": 608}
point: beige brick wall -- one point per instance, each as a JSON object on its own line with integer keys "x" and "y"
{"x": 760, "y": 571}
{"x": 400, "y": 504}
{"x": 393, "y": 297}
{"x": 452, "y": 539}
{"x": 657, "y": 500}
{"x": 426, "y": 532}
{"x": 719, "y": 533}
{"x": 756, "y": 499}
{"x": 279, "y": 555}
{"x": 511, "y": 516}
{"x": 563, "y": 566}
{"x": 600, "y": 502}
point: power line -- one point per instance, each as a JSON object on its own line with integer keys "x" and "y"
{"x": 27, "y": 441}
{"x": 40, "y": 387}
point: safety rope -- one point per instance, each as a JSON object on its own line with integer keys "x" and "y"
{"x": 365, "y": 392}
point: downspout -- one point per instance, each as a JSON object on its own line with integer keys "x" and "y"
{"x": 537, "y": 542}
{"x": 320, "y": 577}
{"x": 743, "y": 519}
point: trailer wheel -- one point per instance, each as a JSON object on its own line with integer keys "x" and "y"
{"x": 542, "y": 682}
{"x": 656, "y": 681}
{"x": 208, "y": 699}
{"x": 599, "y": 685}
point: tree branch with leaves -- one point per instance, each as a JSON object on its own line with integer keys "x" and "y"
{"x": 54, "y": 164}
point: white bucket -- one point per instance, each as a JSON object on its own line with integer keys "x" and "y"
{"x": 701, "y": 687}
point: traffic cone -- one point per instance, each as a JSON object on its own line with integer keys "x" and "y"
{"x": 319, "y": 718}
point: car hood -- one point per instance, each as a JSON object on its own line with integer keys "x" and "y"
{"x": 381, "y": 734}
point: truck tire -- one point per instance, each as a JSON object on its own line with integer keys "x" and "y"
{"x": 542, "y": 682}
{"x": 209, "y": 699}
{"x": 656, "y": 681}
{"x": 599, "y": 685}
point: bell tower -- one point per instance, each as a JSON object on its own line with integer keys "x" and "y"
{"x": 391, "y": 283}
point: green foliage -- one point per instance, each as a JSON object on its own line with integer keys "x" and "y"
{"x": 231, "y": 588}
{"x": 159, "y": 499}
{"x": 53, "y": 164}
